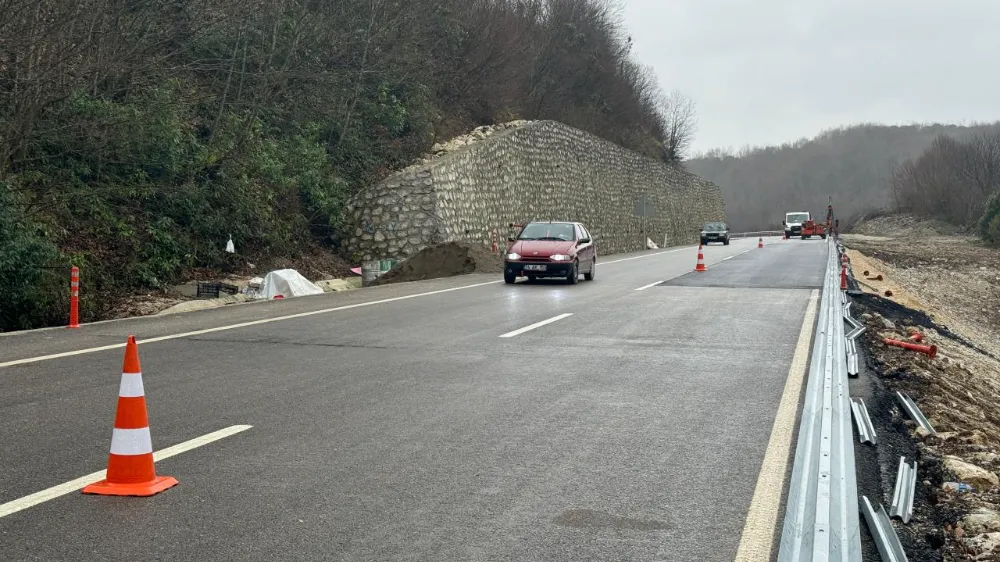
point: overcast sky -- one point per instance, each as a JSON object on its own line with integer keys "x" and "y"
{"x": 770, "y": 71}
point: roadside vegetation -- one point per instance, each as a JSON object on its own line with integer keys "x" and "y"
{"x": 856, "y": 165}
{"x": 957, "y": 181}
{"x": 136, "y": 137}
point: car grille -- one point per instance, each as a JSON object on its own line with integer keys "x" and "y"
{"x": 534, "y": 259}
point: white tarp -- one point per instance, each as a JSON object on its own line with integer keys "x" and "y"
{"x": 287, "y": 283}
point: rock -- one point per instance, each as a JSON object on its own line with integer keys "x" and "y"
{"x": 975, "y": 438}
{"x": 982, "y": 520}
{"x": 921, "y": 433}
{"x": 985, "y": 458}
{"x": 987, "y": 543}
{"x": 979, "y": 477}
{"x": 943, "y": 436}
{"x": 338, "y": 285}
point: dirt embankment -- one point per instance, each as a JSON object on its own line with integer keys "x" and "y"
{"x": 443, "y": 260}
{"x": 945, "y": 286}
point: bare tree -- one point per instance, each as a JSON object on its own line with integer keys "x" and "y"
{"x": 681, "y": 121}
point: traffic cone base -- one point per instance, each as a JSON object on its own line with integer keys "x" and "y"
{"x": 142, "y": 489}
{"x": 130, "y": 462}
{"x": 760, "y": 242}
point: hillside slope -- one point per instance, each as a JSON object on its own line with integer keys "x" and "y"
{"x": 136, "y": 137}
{"x": 853, "y": 165}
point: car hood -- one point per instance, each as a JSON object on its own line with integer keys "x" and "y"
{"x": 541, "y": 248}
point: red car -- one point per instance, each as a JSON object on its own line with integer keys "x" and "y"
{"x": 551, "y": 249}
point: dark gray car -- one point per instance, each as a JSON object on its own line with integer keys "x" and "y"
{"x": 715, "y": 232}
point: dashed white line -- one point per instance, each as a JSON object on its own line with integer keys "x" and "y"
{"x": 54, "y": 492}
{"x": 283, "y": 318}
{"x": 644, "y": 287}
{"x": 536, "y": 325}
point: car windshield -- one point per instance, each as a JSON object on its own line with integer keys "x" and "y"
{"x": 797, "y": 217}
{"x": 547, "y": 231}
{"x": 715, "y": 227}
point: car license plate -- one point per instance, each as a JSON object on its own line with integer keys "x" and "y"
{"x": 534, "y": 267}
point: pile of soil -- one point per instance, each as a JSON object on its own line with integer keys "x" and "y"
{"x": 959, "y": 402}
{"x": 443, "y": 260}
{"x": 946, "y": 287}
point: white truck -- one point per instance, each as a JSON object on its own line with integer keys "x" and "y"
{"x": 793, "y": 222}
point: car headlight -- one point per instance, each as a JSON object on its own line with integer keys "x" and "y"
{"x": 559, "y": 257}
{"x": 513, "y": 257}
{"x": 703, "y": 233}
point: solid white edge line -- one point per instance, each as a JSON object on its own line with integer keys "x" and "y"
{"x": 88, "y": 350}
{"x": 757, "y": 539}
{"x": 644, "y": 287}
{"x": 536, "y": 325}
{"x": 54, "y": 492}
{"x": 241, "y": 325}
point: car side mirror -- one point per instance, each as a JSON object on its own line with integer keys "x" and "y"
{"x": 511, "y": 239}
{"x": 584, "y": 241}
{"x": 783, "y": 223}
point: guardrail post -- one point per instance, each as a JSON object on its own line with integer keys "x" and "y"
{"x": 74, "y": 297}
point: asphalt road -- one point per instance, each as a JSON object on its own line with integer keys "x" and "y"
{"x": 396, "y": 423}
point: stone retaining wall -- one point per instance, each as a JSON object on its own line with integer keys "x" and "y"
{"x": 541, "y": 170}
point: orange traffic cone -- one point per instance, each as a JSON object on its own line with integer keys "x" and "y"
{"x": 701, "y": 260}
{"x": 130, "y": 464}
{"x": 843, "y": 278}
{"x": 760, "y": 241}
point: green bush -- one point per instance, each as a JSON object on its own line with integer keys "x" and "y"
{"x": 33, "y": 275}
{"x": 989, "y": 224}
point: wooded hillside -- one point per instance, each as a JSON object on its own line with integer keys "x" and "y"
{"x": 135, "y": 136}
{"x": 854, "y": 165}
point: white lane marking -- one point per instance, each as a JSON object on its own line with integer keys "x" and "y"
{"x": 729, "y": 258}
{"x": 241, "y": 325}
{"x": 757, "y": 540}
{"x": 281, "y": 318}
{"x": 54, "y": 492}
{"x": 536, "y": 325}
{"x": 646, "y": 255}
{"x": 644, "y": 287}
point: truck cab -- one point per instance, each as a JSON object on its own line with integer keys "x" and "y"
{"x": 793, "y": 222}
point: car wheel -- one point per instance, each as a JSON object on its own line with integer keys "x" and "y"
{"x": 574, "y": 274}
{"x": 509, "y": 278}
{"x": 589, "y": 276}
{"x": 704, "y": 242}
{"x": 725, "y": 242}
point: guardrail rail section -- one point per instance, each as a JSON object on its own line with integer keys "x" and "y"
{"x": 822, "y": 515}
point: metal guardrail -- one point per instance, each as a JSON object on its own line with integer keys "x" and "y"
{"x": 902, "y": 494}
{"x": 866, "y": 430}
{"x": 914, "y": 412}
{"x": 822, "y": 516}
{"x": 756, "y": 234}
{"x": 886, "y": 540}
